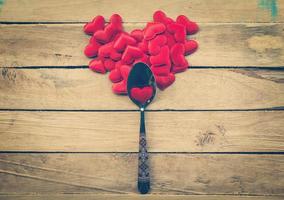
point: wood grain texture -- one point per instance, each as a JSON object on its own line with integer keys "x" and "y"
{"x": 219, "y": 45}
{"x": 140, "y": 11}
{"x": 166, "y": 131}
{"x": 194, "y": 89}
{"x": 117, "y": 173}
{"x": 133, "y": 197}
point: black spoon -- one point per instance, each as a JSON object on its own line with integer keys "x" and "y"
{"x": 141, "y": 77}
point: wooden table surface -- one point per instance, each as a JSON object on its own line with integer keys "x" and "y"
{"x": 216, "y": 133}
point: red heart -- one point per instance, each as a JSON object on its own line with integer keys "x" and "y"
{"x": 191, "y": 27}
{"x": 141, "y": 95}
{"x": 137, "y": 34}
{"x": 109, "y": 64}
{"x": 115, "y": 76}
{"x": 161, "y": 70}
{"x": 91, "y": 50}
{"x": 116, "y": 21}
{"x": 170, "y": 39}
{"x": 97, "y": 65}
{"x": 160, "y": 16}
{"x": 120, "y": 87}
{"x": 165, "y": 81}
{"x": 162, "y": 58}
{"x": 124, "y": 70}
{"x": 155, "y": 44}
{"x": 143, "y": 46}
{"x": 190, "y": 47}
{"x": 178, "y": 30}
{"x": 130, "y": 54}
{"x": 122, "y": 41}
{"x": 145, "y": 59}
{"x": 152, "y": 29}
{"x": 179, "y": 62}
{"x": 96, "y": 24}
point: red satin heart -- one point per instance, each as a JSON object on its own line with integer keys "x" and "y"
{"x": 98, "y": 66}
{"x": 161, "y": 70}
{"x": 190, "y": 47}
{"x": 141, "y": 95}
{"x": 120, "y": 87}
{"x": 178, "y": 30}
{"x": 162, "y": 58}
{"x": 165, "y": 81}
{"x": 160, "y": 16}
{"x": 115, "y": 76}
{"x": 98, "y": 23}
{"x": 153, "y": 29}
{"x": 130, "y": 54}
{"x": 155, "y": 44}
{"x": 137, "y": 34}
{"x": 191, "y": 27}
{"x": 91, "y": 50}
{"x": 179, "y": 62}
{"x": 122, "y": 41}
{"x": 109, "y": 64}
{"x": 124, "y": 70}
{"x": 143, "y": 46}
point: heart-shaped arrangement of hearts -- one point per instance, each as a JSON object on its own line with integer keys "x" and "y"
{"x": 162, "y": 45}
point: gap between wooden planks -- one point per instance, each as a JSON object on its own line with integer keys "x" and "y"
{"x": 81, "y": 89}
{"x": 118, "y": 131}
{"x": 117, "y": 173}
{"x": 256, "y": 45}
{"x": 141, "y": 11}
{"x": 132, "y": 197}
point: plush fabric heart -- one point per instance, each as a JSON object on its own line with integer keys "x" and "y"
{"x": 130, "y": 54}
{"x": 120, "y": 87}
{"x": 141, "y": 95}
{"x": 190, "y": 47}
{"x": 170, "y": 39}
{"x": 109, "y": 64}
{"x": 143, "y": 46}
{"x": 98, "y": 66}
{"x": 178, "y": 30}
{"x": 122, "y": 41}
{"x": 152, "y": 29}
{"x": 162, "y": 58}
{"x": 145, "y": 59}
{"x": 155, "y": 44}
{"x": 179, "y": 62}
{"x": 98, "y": 23}
{"x": 191, "y": 27}
{"x": 91, "y": 50}
{"x": 161, "y": 70}
{"x": 137, "y": 34}
{"x": 160, "y": 16}
{"x": 124, "y": 70}
{"x": 115, "y": 76}
{"x": 164, "y": 81}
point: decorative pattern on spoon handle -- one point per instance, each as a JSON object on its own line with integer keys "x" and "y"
{"x": 143, "y": 163}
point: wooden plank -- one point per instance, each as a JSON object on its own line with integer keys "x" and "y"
{"x": 141, "y": 11}
{"x": 194, "y": 89}
{"x": 135, "y": 197}
{"x": 117, "y": 173}
{"x": 219, "y": 45}
{"x": 166, "y": 131}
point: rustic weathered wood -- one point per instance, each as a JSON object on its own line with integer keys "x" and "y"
{"x": 166, "y": 131}
{"x": 219, "y": 45}
{"x": 141, "y": 11}
{"x": 117, "y": 173}
{"x": 133, "y": 197}
{"x": 194, "y": 89}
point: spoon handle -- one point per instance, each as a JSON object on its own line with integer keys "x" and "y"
{"x": 143, "y": 163}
